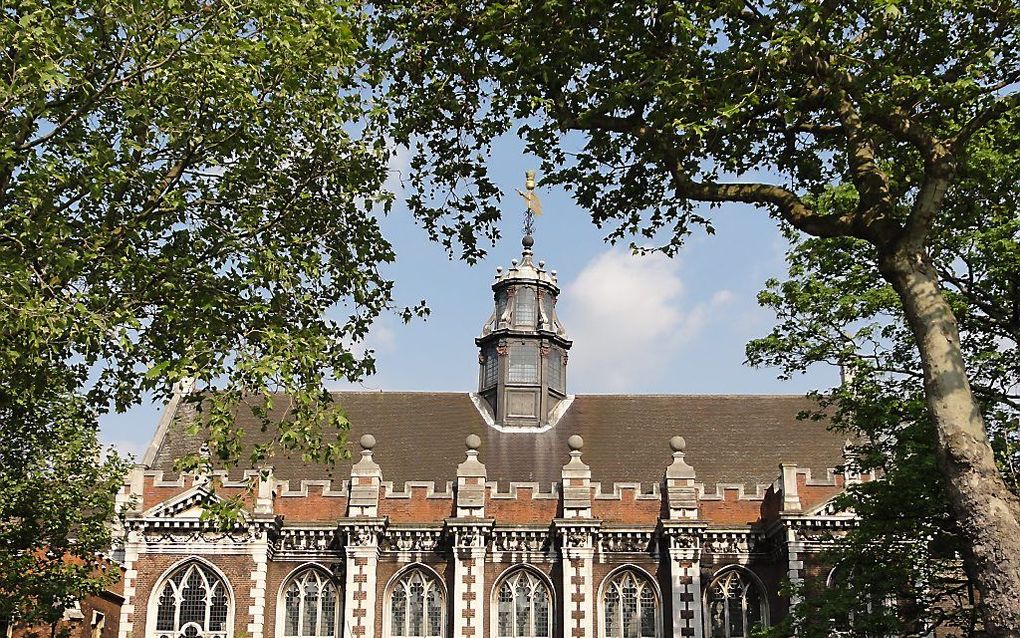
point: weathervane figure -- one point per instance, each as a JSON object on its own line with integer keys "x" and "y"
{"x": 531, "y": 199}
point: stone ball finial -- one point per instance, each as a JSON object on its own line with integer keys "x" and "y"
{"x": 473, "y": 441}
{"x": 528, "y": 241}
{"x": 678, "y": 444}
{"x": 513, "y": 263}
{"x": 499, "y": 269}
{"x": 575, "y": 442}
{"x": 541, "y": 264}
{"x": 367, "y": 441}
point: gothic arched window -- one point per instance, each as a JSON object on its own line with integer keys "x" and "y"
{"x": 735, "y": 605}
{"x": 629, "y": 606}
{"x": 311, "y": 605}
{"x": 523, "y": 607}
{"x": 192, "y": 604}
{"x": 416, "y": 606}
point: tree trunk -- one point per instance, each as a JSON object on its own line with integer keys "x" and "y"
{"x": 982, "y": 505}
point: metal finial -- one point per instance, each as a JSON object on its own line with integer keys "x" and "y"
{"x": 534, "y": 206}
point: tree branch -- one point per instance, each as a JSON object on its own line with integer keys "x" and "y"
{"x": 792, "y": 208}
{"x": 997, "y": 109}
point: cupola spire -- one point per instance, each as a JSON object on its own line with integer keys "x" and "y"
{"x": 523, "y": 347}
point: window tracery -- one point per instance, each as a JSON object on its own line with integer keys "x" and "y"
{"x": 735, "y": 605}
{"x": 192, "y": 604}
{"x": 416, "y": 606}
{"x": 630, "y": 607}
{"x": 523, "y": 607}
{"x": 311, "y": 605}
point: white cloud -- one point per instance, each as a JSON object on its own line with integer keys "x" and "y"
{"x": 627, "y": 317}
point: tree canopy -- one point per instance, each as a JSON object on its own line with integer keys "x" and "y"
{"x": 188, "y": 191}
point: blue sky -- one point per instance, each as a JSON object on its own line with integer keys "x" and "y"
{"x": 647, "y": 325}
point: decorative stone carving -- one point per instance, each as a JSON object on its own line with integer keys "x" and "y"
{"x": 627, "y": 541}
{"x": 684, "y": 541}
{"x": 735, "y": 543}
{"x": 413, "y": 540}
{"x": 307, "y": 540}
{"x": 576, "y": 538}
{"x": 522, "y": 541}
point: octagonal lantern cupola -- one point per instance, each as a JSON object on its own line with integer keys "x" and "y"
{"x": 523, "y": 347}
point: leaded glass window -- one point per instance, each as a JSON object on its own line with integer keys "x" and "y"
{"x": 524, "y": 363}
{"x": 311, "y": 605}
{"x": 416, "y": 606}
{"x": 547, "y": 308}
{"x": 735, "y": 606}
{"x": 524, "y": 307}
{"x": 630, "y": 607}
{"x": 490, "y": 368}
{"x": 554, "y": 362}
{"x": 523, "y": 607}
{"x": 500, "y": 308}
{"x": 192, "y": 604}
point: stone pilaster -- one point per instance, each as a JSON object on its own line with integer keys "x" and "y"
{"x": 362, "y": 559}
{"x": 795, "y": 563}
{"x": 683, "y": 539}
{"x": 470, "y": 532}
{"x": 129, "y": 503}
{"x": 366, "y": 477}
{"x": 577, "y": 550}
{"x": 264, "y": 493}
{"x": 682, "y": 532}
{"x": 471, "y": 476}
{"x": 260, "y": 558}
{"x": 577, "y": 532}
{"x": 788, "y": 487}
{"x": 133, "y": 542}
{"x": 362, "y": 529}
{"x": 470, "y": 540}
{"x": 576, "y": 481}
{"x": 681, "y": 494}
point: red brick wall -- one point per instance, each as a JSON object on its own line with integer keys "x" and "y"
{"x": 523, "y": 510}
{"x": 730, "y": 511}
{"x": 417, "y": 509}
{"x": 313, "y": 507}
{"x": 628, "y": 509}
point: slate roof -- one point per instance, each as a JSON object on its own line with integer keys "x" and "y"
{"x": 730, "y": 439}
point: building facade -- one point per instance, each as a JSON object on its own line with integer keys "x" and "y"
{"x": 518, "y": 510}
